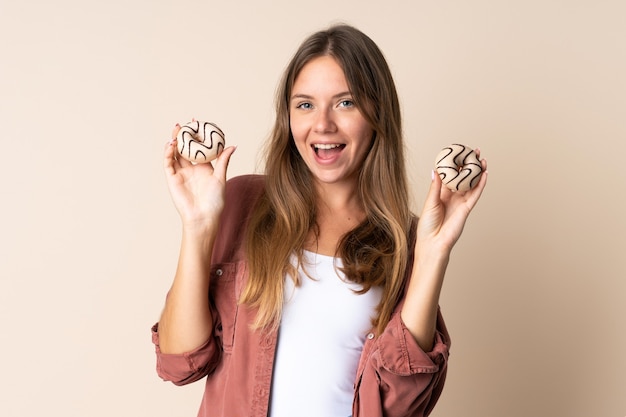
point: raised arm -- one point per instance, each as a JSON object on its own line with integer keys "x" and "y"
{"x": 198, "y": 194}
{"x": 440, "y": 226}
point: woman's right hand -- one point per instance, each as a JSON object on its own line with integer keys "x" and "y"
{"x": 196, "y": 189}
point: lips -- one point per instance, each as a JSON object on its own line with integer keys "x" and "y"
{"x": 327, "y": 151}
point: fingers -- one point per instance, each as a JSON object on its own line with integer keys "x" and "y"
{"x": 170, "y": 163}
{"x": 433, "y": 197}
{"x": 221, "y": 164}
{"x": 175, "y": 130}
{"x": 177, "y": 162}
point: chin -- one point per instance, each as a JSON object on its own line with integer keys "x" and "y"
{"x": 332, "y": 179}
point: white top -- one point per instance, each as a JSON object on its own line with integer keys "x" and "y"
{"x": 321, "y": 337}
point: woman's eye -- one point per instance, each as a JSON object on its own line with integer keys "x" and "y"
{"x": 346, "y": 103}
{"x": 304, "y": 106}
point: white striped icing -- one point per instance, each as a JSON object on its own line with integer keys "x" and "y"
{"x": 458, "y": 167}
{"x": 200, "y": 142}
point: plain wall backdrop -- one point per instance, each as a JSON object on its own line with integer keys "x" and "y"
{"x": 535, "y": 295}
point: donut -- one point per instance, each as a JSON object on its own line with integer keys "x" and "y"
{"x": 458, "y": 167}
{"x": 200, "y": 142}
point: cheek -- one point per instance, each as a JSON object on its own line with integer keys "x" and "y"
{"x": 365, "y": 144}
{"x": 365, "y": 134}
{"x": 359, "y": 127}
{"x": 296, "y": 129}
{"x": 299, "y": 139}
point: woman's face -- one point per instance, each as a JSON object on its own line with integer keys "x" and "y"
{"x": 331, "y": 134}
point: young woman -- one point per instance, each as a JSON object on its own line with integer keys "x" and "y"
{"x": 312, "y": 290}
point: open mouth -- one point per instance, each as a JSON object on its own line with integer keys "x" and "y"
{"x": 327, "y": 150}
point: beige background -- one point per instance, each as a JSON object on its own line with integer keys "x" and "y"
{"x": 90, "y": 90}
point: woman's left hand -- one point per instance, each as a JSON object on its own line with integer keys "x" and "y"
{"x": 438, "y": 229}
{"x": 445, "y": 212}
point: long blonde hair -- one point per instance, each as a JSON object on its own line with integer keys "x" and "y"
{"x": 375, "y": 253}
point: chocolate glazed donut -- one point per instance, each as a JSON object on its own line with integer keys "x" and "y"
{"x": 200, "y": 142}
{"x": 458, "y": 167}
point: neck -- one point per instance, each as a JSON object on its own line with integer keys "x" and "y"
{"x": 338, "y": 198}
{"x": 339, "y": 210}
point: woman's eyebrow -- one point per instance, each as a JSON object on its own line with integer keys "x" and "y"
{"x": 306, "y": 96}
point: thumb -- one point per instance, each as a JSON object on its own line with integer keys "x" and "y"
{"x": 221, "y": 164}
{"x": 434, "y": 192}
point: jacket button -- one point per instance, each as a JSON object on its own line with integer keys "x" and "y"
{"x": 219, "y": 272}
{"x": 370, "y": 336}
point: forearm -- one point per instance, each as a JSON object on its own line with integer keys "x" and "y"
{"x": 419, "y": 312}
{"x": 186, "y": 320}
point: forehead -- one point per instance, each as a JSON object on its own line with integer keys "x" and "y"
{"x": 320, "y": 72}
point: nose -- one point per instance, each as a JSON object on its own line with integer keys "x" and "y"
{"x": 324, "y": 122}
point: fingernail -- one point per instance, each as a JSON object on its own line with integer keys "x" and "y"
{"x": 432, "y": 174}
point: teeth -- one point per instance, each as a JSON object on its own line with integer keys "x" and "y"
{"x": 326, "y": 145}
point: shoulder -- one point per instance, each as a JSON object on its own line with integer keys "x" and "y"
{"x": 252, "y": 180}
{"x": 244, "y": 191}
{"x": 245, "y": 187}
{"x": 242, "y": 196}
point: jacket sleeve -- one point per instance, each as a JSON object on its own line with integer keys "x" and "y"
{"x": 241, "y": 195}
{"x": 188, "y": 367}
{"x": 396, "y": 377}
